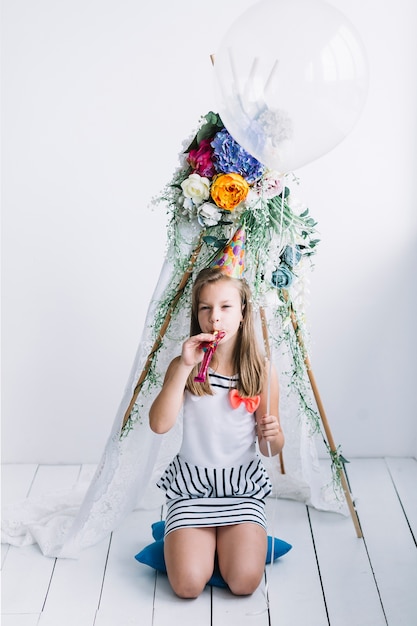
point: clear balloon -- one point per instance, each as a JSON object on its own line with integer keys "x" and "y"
{"x": 291, "y": 79}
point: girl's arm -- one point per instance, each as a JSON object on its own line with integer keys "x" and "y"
{"x": 268, "y": 424}
{"x": 165, "y": 408}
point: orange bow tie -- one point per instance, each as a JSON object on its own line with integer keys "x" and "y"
{"x": 251, "y": 404}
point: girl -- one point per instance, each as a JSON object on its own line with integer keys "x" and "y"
{"x": 216, "y": 485}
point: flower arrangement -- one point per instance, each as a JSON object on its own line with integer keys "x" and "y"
{"x": 220, "y": 186}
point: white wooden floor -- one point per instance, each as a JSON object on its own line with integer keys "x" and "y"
{"x": 330, "y": 577}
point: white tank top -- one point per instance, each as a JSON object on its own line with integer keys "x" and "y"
{"x": 215, "y": 434}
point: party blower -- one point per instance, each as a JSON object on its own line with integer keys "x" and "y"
{"x": 209, "y": 348}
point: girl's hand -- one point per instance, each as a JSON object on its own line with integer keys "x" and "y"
{"x": 268, "y": 427}
{"x": 192, "y": 352}
{"x": 270, "y": 435}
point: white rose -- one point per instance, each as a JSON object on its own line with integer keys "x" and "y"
{"x": 209, "y": 214}
{"x": 197, "y": 188}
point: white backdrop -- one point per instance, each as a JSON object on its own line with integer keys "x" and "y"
{"x": 97, "y": 97}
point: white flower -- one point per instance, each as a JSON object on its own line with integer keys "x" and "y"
{"x": 209, "y": 214}
{"x": 197, "y": 188}
{"x": 187, "y": 204}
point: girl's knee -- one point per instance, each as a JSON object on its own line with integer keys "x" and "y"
{"x": 187, "y": 587}
{"x": 242, "y": 569}
{"x": 245, "y": 583}
{"x": 189, "y": 557}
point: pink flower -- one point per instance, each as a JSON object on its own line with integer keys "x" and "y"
{"x": 269, "y": 185}
{"x": 201, "y": 159}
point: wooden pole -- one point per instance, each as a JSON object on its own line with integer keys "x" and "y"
{"x": 164, "y": 327}
{"x": 268, "y": 354}
{"x": 323, "y": 416}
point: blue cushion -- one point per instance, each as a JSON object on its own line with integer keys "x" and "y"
{"x": 158, "y": 530}
{"x": 153, "y": 554}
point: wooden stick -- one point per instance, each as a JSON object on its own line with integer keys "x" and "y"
{"x": 268, "y": 354}
{"x": 323, "y": 416}
{"x": 164, "y": 327}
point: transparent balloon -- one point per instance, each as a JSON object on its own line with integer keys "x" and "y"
{"x": 291, "y": 80}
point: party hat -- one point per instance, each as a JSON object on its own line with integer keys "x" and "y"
{"x": 231, "y": 260}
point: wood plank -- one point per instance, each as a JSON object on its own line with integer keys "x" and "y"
{"x": 27, "y": 573}
{"x": 404, "y": 475}
{"x": 16, "y": 480}
{"x": 74, "y": 593}
{"x": 388, "y": 539}
{"x": 20, "y": 619}
{"x": 170, "y": 609}
{"x": 346, "y": 574}
{"x": 246, "y": 610}
{"x": 87, "y": 473}
{"x": 26, "y": 576}
{"x": 294, "y": 590}
{"x": 50, "y": 478}
{"x": 128, "y": 589}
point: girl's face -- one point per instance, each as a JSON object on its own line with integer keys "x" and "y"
{"x": 220, "y": 308}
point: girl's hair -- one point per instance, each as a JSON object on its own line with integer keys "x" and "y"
{"x": 248, "y": 361}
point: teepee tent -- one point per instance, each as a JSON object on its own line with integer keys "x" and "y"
{"x": 217, "y": 189}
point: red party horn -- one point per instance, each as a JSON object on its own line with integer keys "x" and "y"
{"x": 209, "y": 348}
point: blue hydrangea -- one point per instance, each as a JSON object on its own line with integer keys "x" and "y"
{"x": 229, "y": 156}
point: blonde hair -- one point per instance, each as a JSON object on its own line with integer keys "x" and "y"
{"x": 248, "y": 361}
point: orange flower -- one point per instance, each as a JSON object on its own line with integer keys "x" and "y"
{"x": 229, "y": 190}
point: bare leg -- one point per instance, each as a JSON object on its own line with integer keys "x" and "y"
{"x": 189, "y": 557}
{"x": 241, "y": 550}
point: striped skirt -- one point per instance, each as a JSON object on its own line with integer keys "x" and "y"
{"x": 201, "y": 496}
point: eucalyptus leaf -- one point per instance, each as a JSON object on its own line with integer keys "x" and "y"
{"x": 220, "y": 243}
{"x": 209, "y": 239}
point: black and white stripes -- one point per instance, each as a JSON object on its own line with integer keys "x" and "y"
{"x": 201, "y": 496}
{"x": 196, "y": 513}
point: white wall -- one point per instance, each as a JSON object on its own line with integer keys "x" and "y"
{"x": 97, "y": 98}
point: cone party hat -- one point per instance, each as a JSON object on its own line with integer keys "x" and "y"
{"x": 231, "y": 260}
